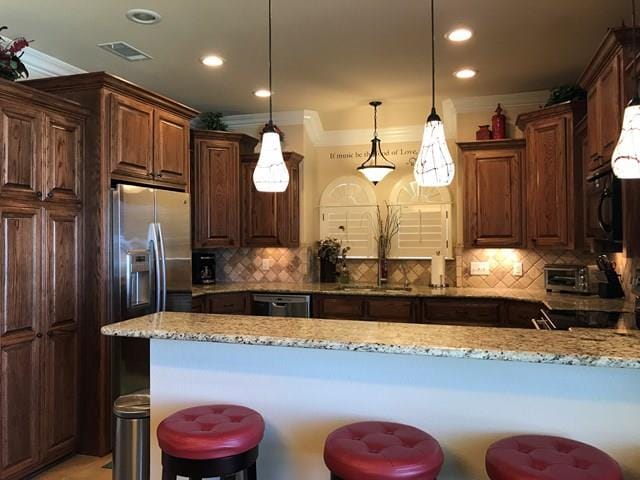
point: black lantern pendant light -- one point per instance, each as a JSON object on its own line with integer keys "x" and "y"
{"x": 376, "y": 167}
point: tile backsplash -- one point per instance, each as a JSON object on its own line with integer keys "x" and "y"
{"x": 501, "y": 265}
{"x": 300, "y": 265}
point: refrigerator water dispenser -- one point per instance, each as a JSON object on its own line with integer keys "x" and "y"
{"x": 138, "y": 279}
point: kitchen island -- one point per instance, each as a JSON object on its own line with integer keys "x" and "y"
{"x": 468, "y": 386}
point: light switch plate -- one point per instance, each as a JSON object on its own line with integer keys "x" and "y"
{"x": 516, "y": 270}
{"x": 266, "y": 264}
{"x": 635, "y": 285}
{"x": 480, "y": 268}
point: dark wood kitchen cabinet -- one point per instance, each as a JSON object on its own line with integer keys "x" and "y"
{"x": 471, "y": 312}
{"x": 215, "y": 187}
{"x": 134, "y": 136}
{"x": 608, "y": 80}
{"x": 40, "y": 297}
{"x": 223, "y": 303}
{"x": 553, "y": 173}
{"x": 148, "y": 143}
{"x": 374, "y": 308}
{"x": 494, "y": 193}
{"x": 270, "y": 219}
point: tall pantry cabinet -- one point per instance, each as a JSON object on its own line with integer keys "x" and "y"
{"x": 41, "y": 151}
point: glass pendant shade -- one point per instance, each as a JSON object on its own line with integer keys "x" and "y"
{"x": 626, "y": 156}
{"x": 271, "y": 174}
{"x": 434, "y": 166}
{"x": 375, "y": 174}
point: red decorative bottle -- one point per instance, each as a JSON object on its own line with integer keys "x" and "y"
{"x": 498, "y": 124}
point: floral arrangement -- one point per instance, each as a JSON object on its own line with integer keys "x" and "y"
{"x": 331, "y": 250}
{"x": 11, "y": 67}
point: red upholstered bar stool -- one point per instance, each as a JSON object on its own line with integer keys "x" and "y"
{"x": 210, "y": 441}
{"x": 382, "y": 451}
{"x": 540, "y": 457}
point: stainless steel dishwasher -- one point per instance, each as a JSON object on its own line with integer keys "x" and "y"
{"x": 273, "y": 305}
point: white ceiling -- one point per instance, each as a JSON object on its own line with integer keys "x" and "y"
{"x": 329, "y": 55}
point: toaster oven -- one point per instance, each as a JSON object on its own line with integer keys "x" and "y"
{"x": 581, "y": 279}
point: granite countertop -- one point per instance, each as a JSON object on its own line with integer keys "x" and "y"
{"x": 553, "y": 301}
{"x": 598, "y": 348}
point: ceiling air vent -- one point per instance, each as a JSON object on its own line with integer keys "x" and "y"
{"x": 126, "y": 51}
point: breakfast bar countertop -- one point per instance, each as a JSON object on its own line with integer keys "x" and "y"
{"x": 553, "y": 301}
{"x": 586, "y": 347}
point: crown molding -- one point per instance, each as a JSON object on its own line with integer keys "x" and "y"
{"x": 489, "y": 102}
{"x": 41, "y": 65}
{"x": 318, "y": 136}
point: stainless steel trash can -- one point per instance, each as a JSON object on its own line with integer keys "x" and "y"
{"x": 131, "y": 452}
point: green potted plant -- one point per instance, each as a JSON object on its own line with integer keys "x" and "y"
{"x": 330, "y": 251}
{"x": 11, "y": 51}
{"x": 213, "y": 121}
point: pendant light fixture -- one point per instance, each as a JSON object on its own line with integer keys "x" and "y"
{"x": 434, "y": 166}
{"x": 376, "y": 167}
{"x": 270, "y": 174}
{"x": 626, "y": 156}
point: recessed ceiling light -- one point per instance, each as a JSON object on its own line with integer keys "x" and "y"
{"x": 465, "y": 73}
{"x": 262, "y": 93}
{"x": 459, "y": 35}
{"x": 144, "y": 17}
{"x": 212, "y": 60}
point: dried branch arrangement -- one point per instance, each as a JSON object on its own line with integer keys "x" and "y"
{"x": 388, "y": 227}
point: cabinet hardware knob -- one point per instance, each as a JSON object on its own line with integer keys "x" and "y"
{"x": 159, "y": 175}
{"x": 49, "y": 195}
{"x": 39, "y": 335}
{"x": 149, "y": 174}
{"x": 39, "y": 194}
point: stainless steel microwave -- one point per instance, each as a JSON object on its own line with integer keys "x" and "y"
{"x": 582, "y": 279}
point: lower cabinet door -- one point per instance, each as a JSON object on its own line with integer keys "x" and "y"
{"x": 61, "y": 316}
{"x": 339, "y": 307}
{"x": 478, "y": 313}
{"x": 20, "y": 340}
{"x": 384, "y": 309}
{"x": 20, "y": 410}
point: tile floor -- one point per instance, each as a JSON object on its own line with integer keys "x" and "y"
{"x": 79, "y": 467}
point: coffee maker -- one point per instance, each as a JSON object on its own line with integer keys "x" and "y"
{"x": 204, "y": 268}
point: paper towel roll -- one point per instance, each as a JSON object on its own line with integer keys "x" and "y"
{"x": 437, "y": 270}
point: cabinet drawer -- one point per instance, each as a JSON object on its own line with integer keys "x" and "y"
{"x": 391, "y": 309}
{"x": 339, "y": 307}
{"x": 231, "y": 303}
{"x": 460, "y": 312}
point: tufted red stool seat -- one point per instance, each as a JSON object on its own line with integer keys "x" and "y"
{"x": 382, "y": 451}
{"x": 210, "y": 441}
{"x": 540, "y": 457}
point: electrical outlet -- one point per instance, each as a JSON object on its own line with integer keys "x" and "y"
{"x": 636, "y": 282}
{"x": 266, "y": 264}
{"x": 480, "y": 268}
{"x": 516, "y": 270}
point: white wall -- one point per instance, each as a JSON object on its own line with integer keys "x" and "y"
{"x": 466, "y": 404}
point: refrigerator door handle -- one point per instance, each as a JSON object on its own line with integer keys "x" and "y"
{"x": 155, "y": 251}
{"x": 163, "y": 266}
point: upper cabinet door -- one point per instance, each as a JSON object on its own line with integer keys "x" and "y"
{"x": 63, "y": 157}
{"x": 215, "y": 194}
{"x": 21, "y": 150}
{"x": 61, "y": 320}
{"x": 494, "y": 197}
{"x": 171, "y": 161}
{"x": 593, "y": 129}
{"x": 20, "y": 339}
{"x": 547, "y": 170}
{"x": 611, "y": 100}
{"x": 131, "y": 137}
{"x": 260, "y": 212}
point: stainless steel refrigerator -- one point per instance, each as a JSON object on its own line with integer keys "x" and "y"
{"x": 151, "y": 271}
